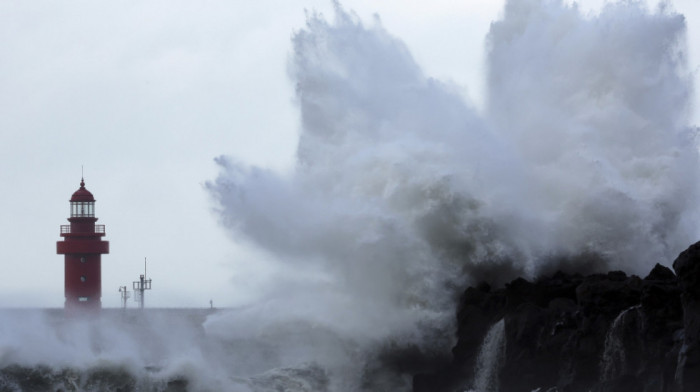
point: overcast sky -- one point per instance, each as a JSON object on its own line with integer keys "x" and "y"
{"x": 145, "y": 94}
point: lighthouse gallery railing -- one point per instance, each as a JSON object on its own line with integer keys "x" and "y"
{"x": 65, "y": 229}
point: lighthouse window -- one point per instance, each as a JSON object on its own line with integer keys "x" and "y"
{"x": 83, "y": 278}
{"x": 82, "y": 299}
{"x": 82, "y": 209}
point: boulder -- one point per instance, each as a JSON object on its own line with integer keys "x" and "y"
{"x": 573, "y": 333}
{"x": 687, "y": 267}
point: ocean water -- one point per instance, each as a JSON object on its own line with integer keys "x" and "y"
{"x": 150, "y": 350}
{"x": 179, "y": 350}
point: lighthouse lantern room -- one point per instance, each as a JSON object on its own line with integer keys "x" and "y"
{"x": 83, "y": 248}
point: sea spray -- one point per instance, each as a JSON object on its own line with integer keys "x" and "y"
{"x": 583, "y": 159}
{"x": 490, "y": 359}
{"x": 621, "y": 342}
{"x": 150, "y": 349}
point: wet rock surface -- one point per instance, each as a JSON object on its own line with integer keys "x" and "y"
{"x": 570, "y": 332}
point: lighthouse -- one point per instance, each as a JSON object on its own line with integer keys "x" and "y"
{"x": 82, "y": 247}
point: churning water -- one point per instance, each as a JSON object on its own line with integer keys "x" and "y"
{"x": 403, "y": 191}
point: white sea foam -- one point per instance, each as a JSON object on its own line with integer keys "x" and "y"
{"x": 490, "y": 359}
{"x": 584, "y": 158}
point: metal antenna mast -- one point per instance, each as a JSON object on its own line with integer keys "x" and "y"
{"x": 141, "y": 285}
{"x": 125, "y": 295}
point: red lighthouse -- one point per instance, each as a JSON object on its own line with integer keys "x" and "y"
{"x": 83, "y": 249}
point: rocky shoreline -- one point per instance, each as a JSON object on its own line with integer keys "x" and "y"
{"x": 570, "y": 333}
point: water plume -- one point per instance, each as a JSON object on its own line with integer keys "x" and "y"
{"x": 583, "y": 159}
{"x": 597, "y": 109}
{"x": 621, "y": 340}
{"x": 490, "y": 359}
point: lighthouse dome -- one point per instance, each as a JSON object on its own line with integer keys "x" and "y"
{"x": 82, "y": 194}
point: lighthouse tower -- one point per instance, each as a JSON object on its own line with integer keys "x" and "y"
{"x": 83, "y": 248}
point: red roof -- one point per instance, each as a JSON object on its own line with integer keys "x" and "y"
{"x": 82, "y": 194}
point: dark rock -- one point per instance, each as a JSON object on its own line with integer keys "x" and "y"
{"x": 687, "y": 267}
{"x": 483, "y": 286}
{"x": 518, "y": 292}
{"x": 571, "y": 333}
{"x": 661, "y": 273}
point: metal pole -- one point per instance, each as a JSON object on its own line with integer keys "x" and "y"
{"x": 143, "y": 284}
{"x": 140, "y": 285}
{"x": 142, "y": 288}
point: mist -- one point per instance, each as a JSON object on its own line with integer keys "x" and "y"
{"x": 582, "y": 159}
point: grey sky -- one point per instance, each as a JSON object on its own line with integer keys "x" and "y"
{"x": 145, "y": 95}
